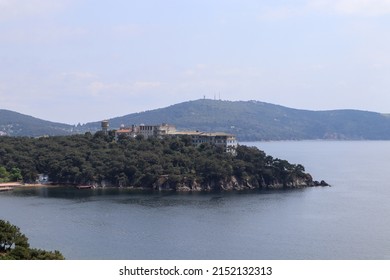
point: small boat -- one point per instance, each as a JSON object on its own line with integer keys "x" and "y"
{"x": 4, "y": 189}
{"x": 84, "y": 187}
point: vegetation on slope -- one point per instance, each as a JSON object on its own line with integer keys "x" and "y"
{"x": 172, "y": 163}
{"x": 254, "y": 120}
{"x": 15, "y": 124}
{"x": 248, "y": 120}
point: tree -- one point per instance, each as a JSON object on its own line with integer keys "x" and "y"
{"x": 10, "y": 237}
{"x": 14, "y": 245}
{"x": 15, "y": 174}
{"x": 38, "y": 254}
{"x": 4, "y": 175}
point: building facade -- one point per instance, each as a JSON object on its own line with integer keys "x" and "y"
{"x": 220, "y": 139}
{"x": 146, "y": 130}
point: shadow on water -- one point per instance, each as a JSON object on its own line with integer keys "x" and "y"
{"x": 177, "y": 200}
{"x": 145, "y": 198}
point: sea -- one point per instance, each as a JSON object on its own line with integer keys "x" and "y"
{"x": 350, "y": 220}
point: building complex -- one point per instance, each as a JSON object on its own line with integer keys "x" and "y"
{"x": 225, "y": 140}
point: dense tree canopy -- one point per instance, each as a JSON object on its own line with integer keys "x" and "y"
{"x": 99, "y": 159}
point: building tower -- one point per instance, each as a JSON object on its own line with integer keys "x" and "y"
{"x": 105, "y": 126}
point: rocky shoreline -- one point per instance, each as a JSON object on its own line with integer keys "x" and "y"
{"x": 186, "y": 185}
{"x": 234, "y": 184}
{"x": 164, "y": 184}
{"x": 231, "y": 184}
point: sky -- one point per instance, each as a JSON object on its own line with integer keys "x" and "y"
{"x": 76, "y": 61}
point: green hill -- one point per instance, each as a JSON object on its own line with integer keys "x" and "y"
{"x": 249, "y": 120}
{"x": 254, "y": 120}
{"x": 16, "y": 124}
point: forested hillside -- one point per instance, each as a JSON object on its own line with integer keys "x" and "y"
{"x": 170, "y": 163}
{"x": 248, "y": 120}
{"x": 16, "y": 124}
{"x": 254, "y": 120}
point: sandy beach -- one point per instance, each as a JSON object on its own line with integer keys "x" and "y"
{"x": 11, "y": 184}
{"x": 16, "y": 185}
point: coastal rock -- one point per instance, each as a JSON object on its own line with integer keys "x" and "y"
{"x": 233, "y": 183}
{"x": 320, "y": 184}
{"x": 165, "y": 183}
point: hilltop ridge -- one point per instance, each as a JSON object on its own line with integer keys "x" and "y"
{"x": 17, "y": 124}
{"x": 255, "y": 120}
{"x": 248, "y": 120}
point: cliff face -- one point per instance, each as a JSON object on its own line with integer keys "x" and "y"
{"x": 233, "y": 183}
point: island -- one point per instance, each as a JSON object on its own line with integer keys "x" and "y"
{"x": 156, "y": 163}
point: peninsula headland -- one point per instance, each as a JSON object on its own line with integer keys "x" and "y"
{"x": 169, "y": 163}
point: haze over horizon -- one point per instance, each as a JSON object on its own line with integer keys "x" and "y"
{"x": 80, "y": 61}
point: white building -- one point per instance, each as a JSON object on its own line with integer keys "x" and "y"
{"x": 221, "y": 139}
{"x": 146, "y": 130}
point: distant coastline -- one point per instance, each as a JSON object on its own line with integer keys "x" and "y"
{"x": 248, "y": 120}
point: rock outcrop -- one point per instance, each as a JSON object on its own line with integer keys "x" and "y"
{"x": 233, "y": 183}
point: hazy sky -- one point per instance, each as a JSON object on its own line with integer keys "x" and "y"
{"x": 85, "y": 60}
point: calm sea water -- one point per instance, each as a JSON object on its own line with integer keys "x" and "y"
{"x": 350, "y": 220}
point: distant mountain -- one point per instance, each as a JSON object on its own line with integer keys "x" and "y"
{"x": 249, "y": 120}
{"x": 16, "y": 124}
{"x": 254, "y": 120}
